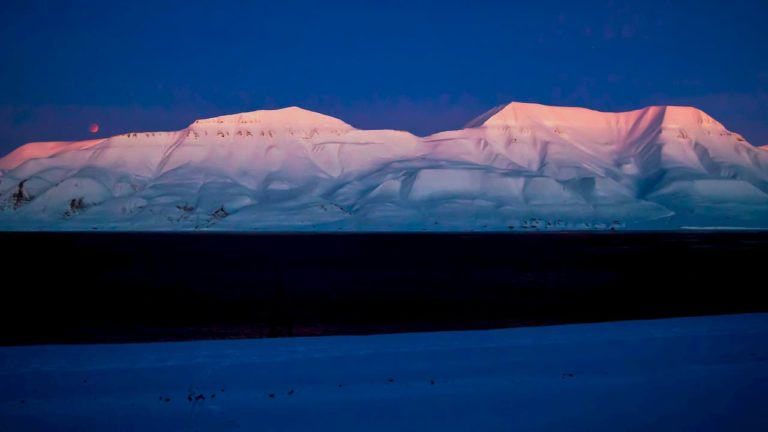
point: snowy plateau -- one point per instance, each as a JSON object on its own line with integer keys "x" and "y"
{"x": 519, "y": 167}
{"x": 685, "y": 374}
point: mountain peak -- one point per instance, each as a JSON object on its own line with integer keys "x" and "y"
{"x": 519, "y": 113}
{"x": 284, "y": 117}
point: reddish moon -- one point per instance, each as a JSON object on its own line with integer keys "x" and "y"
{"x": 94, "y": 127}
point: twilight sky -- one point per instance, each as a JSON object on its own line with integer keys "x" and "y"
{"x": 421, "y": 66}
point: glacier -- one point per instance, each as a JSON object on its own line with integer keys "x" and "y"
{"x": 518, "y": 167}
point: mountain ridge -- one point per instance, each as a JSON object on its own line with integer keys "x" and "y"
{"x": 294, "y": 169}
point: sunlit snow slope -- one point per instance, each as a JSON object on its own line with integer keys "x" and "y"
{"x": 517, "y": 167}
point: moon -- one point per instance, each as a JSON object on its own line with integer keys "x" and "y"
{"x": 94, "y": 127}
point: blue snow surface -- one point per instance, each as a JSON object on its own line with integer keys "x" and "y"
{"x": 702, "y": 374}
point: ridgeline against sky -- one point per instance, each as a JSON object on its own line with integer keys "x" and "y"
{"x": 80, "y": 69}
{"x": 519, "y": 166}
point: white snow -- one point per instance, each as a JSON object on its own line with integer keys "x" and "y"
{"x": 293, "y": 169}
{"x": 702, "y": 374}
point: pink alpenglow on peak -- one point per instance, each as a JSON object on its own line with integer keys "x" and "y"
{"x": 284, "y": 117}
{"x": 42, "y": 150}
{"x": 518, "y": 167}
{"x": 517, "y": 113}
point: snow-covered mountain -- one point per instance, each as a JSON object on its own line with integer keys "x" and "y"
{"x": 517, "y": 167}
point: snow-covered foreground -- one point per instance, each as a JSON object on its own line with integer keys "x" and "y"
{"x": 705, "y": 373}
{"x": 517, "y": 167}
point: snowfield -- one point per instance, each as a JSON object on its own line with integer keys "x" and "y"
{"x": 517, "y": 167}
{"x": 691, "y": 374}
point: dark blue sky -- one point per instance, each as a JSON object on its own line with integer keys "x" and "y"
{"x": 420, "y": 66}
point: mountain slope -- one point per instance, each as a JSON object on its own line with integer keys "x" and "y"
{"x": 519, "y": 166}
